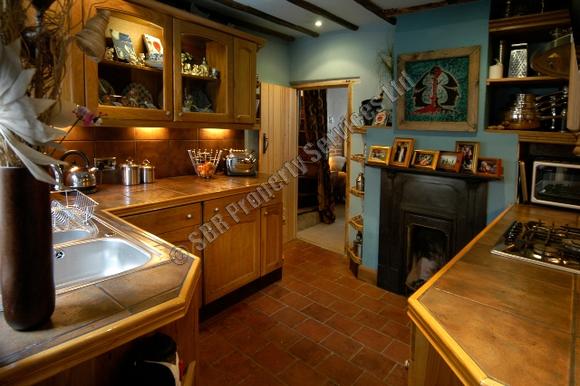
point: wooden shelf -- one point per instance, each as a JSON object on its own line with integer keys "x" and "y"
{"x": 357, "y": 193}
{"x": 356, "y": 259}
{"x": 527, "y": 23}
{"x": 528, "y": 80}
{"x": 358, "y": 158}
{"x": 465, "y": 176}
{"x": 130, "y": 66}
{"x": 357, "y": 222}
{"x": 198, "y": 77}
{"x": 363, "y": 129}
{"x": 558, "y": 138}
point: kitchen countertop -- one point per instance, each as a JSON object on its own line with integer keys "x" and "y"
{"x": 499, "y": 320}
{"x": 93, "y": 319}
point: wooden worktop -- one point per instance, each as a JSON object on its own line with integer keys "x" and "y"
{"x": 92, "y": 320}
{"x": 496, "y": 320}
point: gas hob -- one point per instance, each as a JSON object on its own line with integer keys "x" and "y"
{"x": 537, "y": 242}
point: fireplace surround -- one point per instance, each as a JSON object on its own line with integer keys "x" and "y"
{"x": 425, "y": 219}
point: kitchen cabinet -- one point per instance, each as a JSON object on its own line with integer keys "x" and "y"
{"x": 245, "y": 81}
{"x": 233, "y": 258}
{"x": 126, "y": 91}
{"x": 271, "y": 237}
{"x": 202, "y": 98}
{"x": 173, "y": 225}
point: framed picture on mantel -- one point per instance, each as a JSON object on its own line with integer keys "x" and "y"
{"x": 441, "y": 90}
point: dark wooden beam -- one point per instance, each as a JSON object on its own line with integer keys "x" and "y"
{"x": 324, "y": 13}
{"x": 273, "y": 19}
{"x": 391, "y": 12}
{"x": 369, "y": 5}
{"x": 228, "y": 20}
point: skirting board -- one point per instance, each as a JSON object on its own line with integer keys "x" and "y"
{"x": 367, "y": 274}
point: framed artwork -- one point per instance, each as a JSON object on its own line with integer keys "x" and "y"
{"x": 380, "y": 118}
{"x": 470, "y": 151}
{"x": 450, "y": 161}
{"x": 489, "y": 167}
{"x": 441, "y": 90}
{"x": 402, "y": 152}
{"x": 426, "y": 159}
{"x": 153, "y": 44}
{"x": 379, "y": 155}
{"x": 124, "y": 47}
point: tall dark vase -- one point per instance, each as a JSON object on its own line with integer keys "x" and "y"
{"x": 26, "y": 253}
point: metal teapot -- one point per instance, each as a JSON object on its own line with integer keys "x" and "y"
{"x": 83, "y": 178}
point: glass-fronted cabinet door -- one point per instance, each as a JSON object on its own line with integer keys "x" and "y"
{"x": 133, "y": 82}
{"x": 203, "y": 74}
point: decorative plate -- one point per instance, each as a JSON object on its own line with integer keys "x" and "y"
{"x": 105, "y": 90}
{"x": 136, "y": 95}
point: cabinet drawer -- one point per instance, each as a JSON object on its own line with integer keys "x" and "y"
{"x": 165, "y": 220}
{"x": 220, "y": 205}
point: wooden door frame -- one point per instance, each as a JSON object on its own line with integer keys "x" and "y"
{"x": 347, "y": 83}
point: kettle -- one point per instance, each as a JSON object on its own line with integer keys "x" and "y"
{"x": 78, "y": 177}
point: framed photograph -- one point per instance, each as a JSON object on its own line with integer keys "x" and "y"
{"x": 380, "y": 118}
{"x": 379, "y": 155}
{"x": 426, "y": 159}
{"x": 441, "y": 90}
{"x": 402, "y": 152}
{"x": 489, "y": 167}
{"x": 470, "y": 151}
{"x": 450, "y": 161}
{"x": 124, "y": 47}
{"x": 153, "y": 44}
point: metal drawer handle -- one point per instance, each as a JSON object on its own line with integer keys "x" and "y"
{"x": 265, "y": 213}
{"x": 216, "y": 210}
{"x": 189, "y": 216}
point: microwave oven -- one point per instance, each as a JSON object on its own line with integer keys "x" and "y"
{"x": 556, "y": 184}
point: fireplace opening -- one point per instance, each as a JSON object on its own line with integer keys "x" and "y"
{"x": 427, "y": 250}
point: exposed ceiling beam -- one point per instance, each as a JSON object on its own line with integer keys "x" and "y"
{"x": 324, "y": 13}
{"x": 390, "y": 12}
{"x": 273, "y": 19}
{"x": 369, "y": 5}
{"x": 228, "y": 20}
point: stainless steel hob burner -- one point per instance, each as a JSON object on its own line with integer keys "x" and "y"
{"x": 537, "y": 242}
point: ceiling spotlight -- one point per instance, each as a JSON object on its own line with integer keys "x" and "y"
{"x": 318, "y": 23}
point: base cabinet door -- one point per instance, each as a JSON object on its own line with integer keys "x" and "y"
{"x": 232, "y": 259}
{"x": 271, "y": 248}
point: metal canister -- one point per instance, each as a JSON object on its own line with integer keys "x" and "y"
{"x": 130, "y": 173}
{"x": 147, "y": 172}
{"x": 360, "y": 182}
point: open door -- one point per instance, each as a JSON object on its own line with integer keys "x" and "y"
{"x": 279, "y": 144}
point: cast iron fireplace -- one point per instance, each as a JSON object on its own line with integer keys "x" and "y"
{"x": 426, "y": 218}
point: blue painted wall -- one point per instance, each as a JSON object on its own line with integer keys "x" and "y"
{"x": 273, "y": 61}
{"x": 448, "y": 27}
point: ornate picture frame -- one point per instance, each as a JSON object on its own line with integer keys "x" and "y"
{"x": 401, "y": 152}
{"x": 443, "y": 90}
{"x": 425, "y": 159}
{"x": 470, "y": 151}
{"x": 450, "y": 161}
{"x": 379, "y": 155}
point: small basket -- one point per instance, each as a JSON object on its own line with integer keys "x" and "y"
{"x": 204, "y": 161}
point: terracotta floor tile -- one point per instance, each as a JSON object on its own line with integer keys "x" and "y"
{"x": 342, "y": 345}
{"x": 398, "y": 376}
{"x": 298, "y": 286}
{"x": 247, "y": 341}
{"x": 211, "y": 375}
{"x": 398, "y": 351}
{"x": 273, "y": 358}
{"x": 257, "y": 320}
{"x": 282, "y": 335}
{"x": 259, "y": 378}
{"x": 395, "y": 313}
{"x": 318, "y": 312}
{"x": 368, "y": 379}
{"x": 349, "y": 281}
{"x": 276, "y": 291}
{"x": 374, "y": 362}
{"x": 236, "y": 366}
{"x": 372, "y": 339}
{"x": 300, "y": 374}
{"x": 310, "y": 352}
{"x": 313, "y": 329}
{"x": 289, "y": 316}
{"x": 343, "y": 324}
{"x": 371, "y": 304}
{"x": 397, "y": 331}
{"x": 339, "y": 370}
{"x": 295, "y": 300}
{"x": 266, "y": 304}
{"x": 214, "y": 348}
{"x": 370, "y": 319}
{"x": 372, "y": 291}
{"x": 345, "y": 308}
{"x": 394, "y": 299}
{"x": 322, "y": 297}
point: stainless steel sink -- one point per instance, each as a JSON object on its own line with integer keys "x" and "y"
{"x": 89, "y": 261}
{"x": 60, "y": 237}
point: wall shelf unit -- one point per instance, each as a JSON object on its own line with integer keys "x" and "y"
{"x": 357, "y": 222}
{"x": 354, "y": 257}
{"x": 566, "y": 138}
{"x": 358, "y": 158}
{"x": 528, "y": 80}
{"x": 114, "y": 63}
{"x": 529, "y": 23}
{"x": 357, "y": 193}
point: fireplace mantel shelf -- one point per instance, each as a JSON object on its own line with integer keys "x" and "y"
{"x": 464, "y": 176}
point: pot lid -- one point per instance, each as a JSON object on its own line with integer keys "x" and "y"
{"x": 129, "y": 164}
{"x": 146, "y": 164}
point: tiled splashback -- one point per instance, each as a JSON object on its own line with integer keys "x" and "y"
{"x": 164, "y": 147}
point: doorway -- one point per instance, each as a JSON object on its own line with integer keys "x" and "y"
{"x": 322, "y": 190}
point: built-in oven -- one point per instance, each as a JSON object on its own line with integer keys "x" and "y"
{"x": 556, "y": 184}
